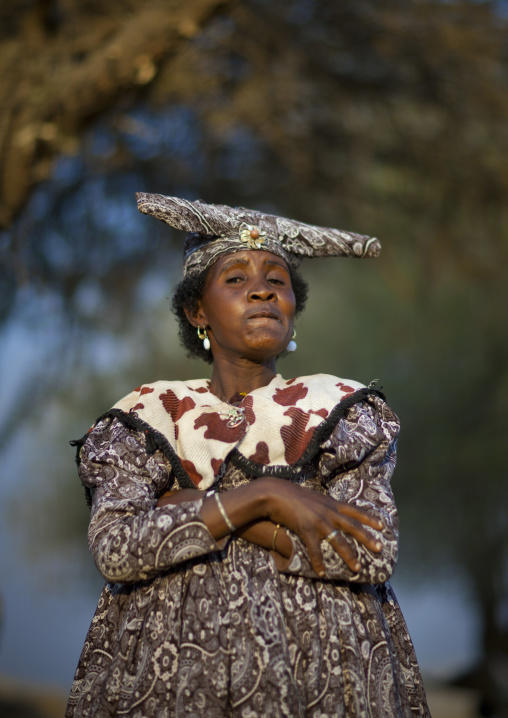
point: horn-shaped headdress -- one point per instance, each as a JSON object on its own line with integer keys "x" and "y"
{"x": 217, "y": 230}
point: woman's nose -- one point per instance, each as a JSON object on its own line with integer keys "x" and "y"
{"x": 263, "y": 292}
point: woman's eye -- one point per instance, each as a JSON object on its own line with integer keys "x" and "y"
{"x": 233, "y": 280}
{"x": 275, "y": 280}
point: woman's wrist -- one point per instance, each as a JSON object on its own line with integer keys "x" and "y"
{"x": 235, "y": 509}
{"x": 249, "y": 502}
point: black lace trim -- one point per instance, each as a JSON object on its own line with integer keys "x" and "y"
{"x": 155, "y": 441}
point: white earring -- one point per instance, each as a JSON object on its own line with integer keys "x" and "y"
{"x": 291, "y": 347}
{"x": 203, "y": 335}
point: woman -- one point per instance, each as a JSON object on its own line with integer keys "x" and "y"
{"x": 245, "y": 525}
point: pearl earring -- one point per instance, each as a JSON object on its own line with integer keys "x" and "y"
{"x": 203, "y": 335}
{"x": 291, "y": 347}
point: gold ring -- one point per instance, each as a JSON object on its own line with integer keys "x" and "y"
{"x": 275, "y": 536}
{"x": 331, "y": 535}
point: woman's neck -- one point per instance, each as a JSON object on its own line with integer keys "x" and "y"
{"x": 238, "y": 376}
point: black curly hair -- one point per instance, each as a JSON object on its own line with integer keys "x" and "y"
{"x": 187, "y": 295}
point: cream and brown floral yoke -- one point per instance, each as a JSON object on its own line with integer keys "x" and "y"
{"x": 187, "y": 628}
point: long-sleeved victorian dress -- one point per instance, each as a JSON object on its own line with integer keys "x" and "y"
{"x": 188, "y": 627}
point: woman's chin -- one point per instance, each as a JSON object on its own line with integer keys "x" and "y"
{"x": 264, "y": 350}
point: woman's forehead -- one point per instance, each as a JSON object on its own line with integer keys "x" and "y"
{"x": 257, "y": 258}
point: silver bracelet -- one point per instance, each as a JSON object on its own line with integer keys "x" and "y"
{"x": 224, "y": 514}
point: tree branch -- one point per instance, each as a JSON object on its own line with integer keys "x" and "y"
{"x": 48, "y": 94}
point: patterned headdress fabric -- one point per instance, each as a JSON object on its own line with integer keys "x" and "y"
{"x": 217, "y": 230}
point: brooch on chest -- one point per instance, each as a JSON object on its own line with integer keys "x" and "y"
{"x": 235, "y": 416}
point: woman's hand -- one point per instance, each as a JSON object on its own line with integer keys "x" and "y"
{"x": 314, "y": 517}
{"x": 259, "y": 532}
{"x": 179, "y": 496}
{"x": 309, "y": 514}
{"x": 269, "y": 536}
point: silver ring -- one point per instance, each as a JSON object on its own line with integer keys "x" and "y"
{"x": 331, "y": 535}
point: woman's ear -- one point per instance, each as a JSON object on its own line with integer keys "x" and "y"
{"x": 197, "y": 317}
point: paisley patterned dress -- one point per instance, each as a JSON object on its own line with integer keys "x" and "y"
{"x": 188, "y": 627}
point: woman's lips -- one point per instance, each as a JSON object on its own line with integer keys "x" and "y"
{"x": 264, "y": 314}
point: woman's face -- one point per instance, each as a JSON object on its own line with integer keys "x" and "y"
{"x": 248, "y": 305}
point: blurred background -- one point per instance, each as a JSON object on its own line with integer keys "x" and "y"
{"x": 385, "y": 118}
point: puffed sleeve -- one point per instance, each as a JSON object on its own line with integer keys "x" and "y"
{"x": 130, "y": 538}
{"x": 356, "y": 467}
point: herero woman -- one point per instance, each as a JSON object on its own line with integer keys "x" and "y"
{"x": 245, "y": 525}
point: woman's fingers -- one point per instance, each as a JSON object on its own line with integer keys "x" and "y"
{"x": 315, "y": 555}
{"x": 314, "y": 516}
{"x": 339, "y": 544}
{"x": 359, "y": 515}
{"x": 354, "y": 528}
{"x": 344, "y": 550}
{"x": 179, "y": 496}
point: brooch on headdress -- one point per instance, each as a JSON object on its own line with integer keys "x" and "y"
{"x": 252, "y": 236}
